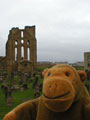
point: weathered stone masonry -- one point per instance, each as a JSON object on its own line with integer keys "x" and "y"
{"x": 21, "y": 50}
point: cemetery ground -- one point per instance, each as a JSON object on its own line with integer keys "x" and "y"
{"x": 21, "y": 95}
{"x": 18, "y": 98}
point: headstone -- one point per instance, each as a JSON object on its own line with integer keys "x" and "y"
{"x": 35, "y": 83}
{"x": 21, "y": 89}
{"x": 7, "y": 91}
{"x": 12, "y": 75}
{"x": 36, "y": 92}
{"x": 25, "y": 86}
{"x": 1, "y": 79}
{"x": 88, "y": 75}
{"x": 20, "y": 81}
{"x": 16, "y": 87}
{"x": 9, "y": 99}
{"x": 40, "y": 87}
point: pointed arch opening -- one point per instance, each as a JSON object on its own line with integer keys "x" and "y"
{"x": 28, "y": 42}
{"x": 22, "y": 34}
{"x": 15, "y": 54}
{"x": 28, "y": 53}
{"x": 16, "y": 42}
{"x": 22, "y": 41}
{"x": 22, "y": 52}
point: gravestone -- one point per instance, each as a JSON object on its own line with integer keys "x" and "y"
{"x": 35, "y": 83}
{"x": 20, "y": 81}
{"x": 88, "y": 75}
{"x": 87, "y": 61}
{"x": 25, "y": 86}
{"x": 40, "y": 87}
{"x": 16, "y": 87}
{"x": 1, "y": 79}
{"x": 9, "y": 99}
{"x": 36, "y": 92}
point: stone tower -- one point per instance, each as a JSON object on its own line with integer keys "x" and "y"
{"x": 87, "y": 60}
{"x": 21, "y": 49}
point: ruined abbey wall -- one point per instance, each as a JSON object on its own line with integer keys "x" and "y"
{"x": 21, "y": 50}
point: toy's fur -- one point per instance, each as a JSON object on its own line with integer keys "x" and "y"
{"x": 64, "y": 97}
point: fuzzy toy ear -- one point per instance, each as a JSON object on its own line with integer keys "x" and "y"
{"x": 82, "y": 75}
{"x": 44, "y": 72}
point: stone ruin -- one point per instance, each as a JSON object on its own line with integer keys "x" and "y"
{"x": 21, "y": 50}
{"x": 87, "y": 61}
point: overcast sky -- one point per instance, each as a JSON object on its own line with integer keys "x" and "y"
{"x": 62, "y": 26}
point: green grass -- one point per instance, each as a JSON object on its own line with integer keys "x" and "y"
{"x": 88, "y": 83}
{"x": 18, "y": 99}
{"x": 41, "y": 69}
{"x": 19, "y": 96}
{"x": 79, "y": 68}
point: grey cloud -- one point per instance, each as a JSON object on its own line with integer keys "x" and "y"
{"x": 62, "y": 26}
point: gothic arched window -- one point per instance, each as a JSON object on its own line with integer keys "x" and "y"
{"x": 16, "y": 42}
{"x": 28, "y": 42}
{"x": 22, "y": 52}
{"x": 22, "y": 41}
{"x": 28, "y": 53}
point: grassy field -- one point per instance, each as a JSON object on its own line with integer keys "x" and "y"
{"x": 20, "y": 96}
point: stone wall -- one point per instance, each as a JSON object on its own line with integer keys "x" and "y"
{"x": 21, "y": 50}
{"x": 87, "y": 60}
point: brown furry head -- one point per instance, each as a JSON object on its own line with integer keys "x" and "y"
{"x": 61, "y": 87}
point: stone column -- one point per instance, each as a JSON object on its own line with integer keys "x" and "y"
{"x": 34, "y": 53}
{"x": 31, "y": 54}
{"x": 25, "y": 52}
{"x": 13, "y": 54}
{"x": 19, "y": 53}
